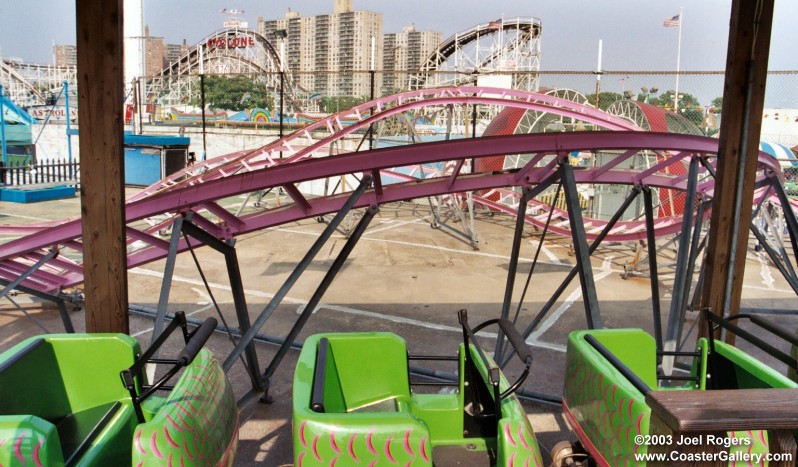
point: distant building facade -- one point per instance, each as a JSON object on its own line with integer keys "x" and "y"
{"x": 65, "y": 55}
{"x": 405, "y": 51}
{"x": 157, "y": 54}
{"x": 330, "y": 54}
{"x": 175, "y": 51}
{"x": 154, "y": 53}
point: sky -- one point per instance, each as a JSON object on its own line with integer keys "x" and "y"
{"x": 633, "y": 36}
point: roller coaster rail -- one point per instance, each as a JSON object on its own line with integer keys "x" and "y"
{"x": 196, "y": 202}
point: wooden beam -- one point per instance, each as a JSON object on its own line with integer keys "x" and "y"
{"x": 743, "y": 101}
{"x": 100, "y": 101}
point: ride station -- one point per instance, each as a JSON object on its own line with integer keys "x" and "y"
{"x": 361, "y": 397}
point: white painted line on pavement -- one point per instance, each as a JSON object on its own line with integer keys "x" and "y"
{"x": 765, "y": 272}
{"x": 606, "y": 270}
{"x": 343, "y": 309}
{"x": 201, "y": 293}
{"x": 392, "y": 225}
{"x": 40, "y": 219}
{"x": 428, "y": 325}
{"x": 549, "y": 254}
{"x": 432, "y": 247}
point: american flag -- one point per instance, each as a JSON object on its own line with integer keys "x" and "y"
{"x": 671, "y": 22}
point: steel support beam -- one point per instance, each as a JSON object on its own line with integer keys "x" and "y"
{"x": 779, "y": 244}
{"x": 469, "y": 229}
{"x": 166, "y": 282}
{"x": 573, "y": 272}
{"x": 656, "y": 311}
{"x": 335, "y": 268}
{"x": 35, "y": 267}
{"x": 775, "y": 257}
{"x": 512, "y": 268}
{"x": 237, "y": 289}
{"x": 581, "y": 250}
{"x": 68, "y": 327}
{"x": 682, "y": 260}
{"x": 515, "y": 252}
{"x": 789, "y": 215}
{"x": 297, "y": 272}
{"x": 688, "y": 282}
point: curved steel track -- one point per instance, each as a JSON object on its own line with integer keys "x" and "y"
{"x": 204, "y": 190}
{"x": 269, "y": 60}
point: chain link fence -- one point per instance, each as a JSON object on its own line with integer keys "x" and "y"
{"x": 700, "y": 92}
{"x": 284, "y": 102}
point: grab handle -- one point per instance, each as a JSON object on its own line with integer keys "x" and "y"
{"x": 518, "y": 343}
{"x": 198, "y": 338}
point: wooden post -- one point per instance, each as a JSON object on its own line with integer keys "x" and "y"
{"x": 743, "y": 101}
{"x": 100, "y": 99}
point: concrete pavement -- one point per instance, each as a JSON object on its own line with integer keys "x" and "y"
{"x": 403, "y": 277}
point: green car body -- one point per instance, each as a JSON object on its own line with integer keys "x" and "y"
{"x": 371, "y": 417}
{"x": 62, "y": 403}
{"x": 607, "y": 411}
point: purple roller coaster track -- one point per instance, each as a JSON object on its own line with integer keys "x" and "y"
{"x": 306, "y": 157}
{"x": 196, "y": 202}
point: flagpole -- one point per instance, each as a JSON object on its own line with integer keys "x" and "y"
{"x": 598, "y": 75}
{"x": 678, "y": 63}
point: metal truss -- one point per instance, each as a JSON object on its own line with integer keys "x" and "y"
{"x": 197, "y": 199}
{"x": 151, "y": 210}
{"x": 205, "y": 199}
{"x": 541, "y": 121}
{"x": 29, "y": 84}
{"x": 640, "y": 113}
{"x": 504, "y": 46}
{"x": 315, "y": 140}
{"x": 244, "y": 52}
{"x": 256, "y": 55}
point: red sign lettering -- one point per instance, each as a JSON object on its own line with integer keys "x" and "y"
{"x": 238, "y": 42}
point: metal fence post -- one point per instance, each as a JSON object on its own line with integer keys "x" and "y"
{"x": 204, "y": 135}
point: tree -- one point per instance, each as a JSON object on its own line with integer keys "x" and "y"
{"x": 235, "y": 92}
{"x": 337, "y": 103}
{"x": 647, "y": 95}
{"x": 717, "y": 105}
{"x": 686, "y": 101}
{"x": 689, "y": 106}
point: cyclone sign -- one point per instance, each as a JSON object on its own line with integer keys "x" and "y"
{"x": 237, "y": 42}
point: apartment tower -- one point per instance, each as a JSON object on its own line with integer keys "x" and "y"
{"x": 330, "y": 54}
{"x": 404, "y": 52}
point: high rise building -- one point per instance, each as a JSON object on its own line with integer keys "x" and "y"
{"x": 154, "y": 53}
{"x": 405, "y": 52}
{"x": 175, "y": 51}
{"x": 331, "y": 54}
{"x": 159, "y": 54}
{"x": 65, "y": 55}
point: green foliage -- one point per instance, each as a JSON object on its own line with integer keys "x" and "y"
{"x": 236, "y": 92}
{"x": 337, "y": 103}
{"x": 717, "y": 105}
{"x": 689, "y": 106}
{"x": 696, "y": 117}
{"x": 686, "y": 101}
